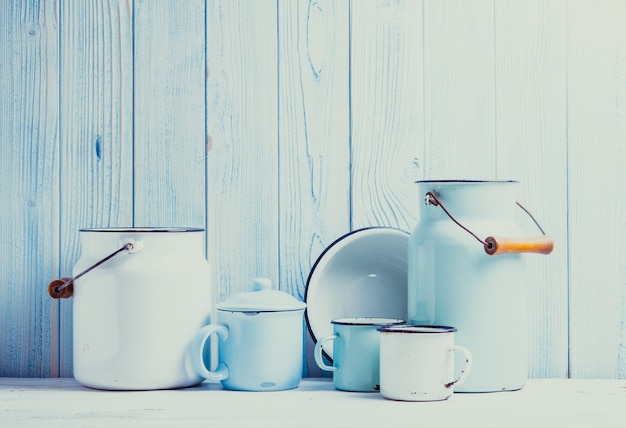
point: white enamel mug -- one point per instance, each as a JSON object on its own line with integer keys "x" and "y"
{"x": 417, "y": 362}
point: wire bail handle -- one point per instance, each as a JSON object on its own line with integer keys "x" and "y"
{"x": 498, "y": 245}
{"x": 63, "y": 288}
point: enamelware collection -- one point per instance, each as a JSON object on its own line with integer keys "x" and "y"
{"x": 388, "y": 310}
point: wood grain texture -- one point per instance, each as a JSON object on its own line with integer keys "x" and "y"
{"x": 596, "y": 107}
{"x": 459, "y": 92}
{"x": 314, "y": 138}
{"x": 96, "y": 158}
{"x": 386, "y": 77}
{"x": 242, "y": 143}
{"x": 169, "y": 96}
{"x": 29, "y": 156}
{"x": 280, "y": 125}
{"x": 531, "y": 144}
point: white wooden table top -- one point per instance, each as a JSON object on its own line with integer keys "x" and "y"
{"x": 541, "y": 403}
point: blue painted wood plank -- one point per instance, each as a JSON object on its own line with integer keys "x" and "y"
{"x": 169, "y": 113}
{"x": 314, "y": 139}
{"x": 387, "y": 116}
{"x": 596, "y": 90}
{"x": 242, "y": 143}
{"x": 29, "y": 171}
{"x": 459, "y": 92}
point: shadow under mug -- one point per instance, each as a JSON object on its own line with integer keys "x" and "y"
{"x": 356, "y": 360}
{"x": 417, "y": 362}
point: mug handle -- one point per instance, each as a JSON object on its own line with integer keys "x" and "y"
{"x": 317, "y": 353}
{"x": 466, "y": 368}
{"x": 197, "y": 347}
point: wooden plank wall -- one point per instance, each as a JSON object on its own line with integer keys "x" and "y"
{"x": 280, "y": 125}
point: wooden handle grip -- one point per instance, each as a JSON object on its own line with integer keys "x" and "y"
{"x": 497, "y": 245}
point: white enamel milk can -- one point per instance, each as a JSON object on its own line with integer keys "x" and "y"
{"x": 140, "y": 297}
{"x": 463, "y": 273}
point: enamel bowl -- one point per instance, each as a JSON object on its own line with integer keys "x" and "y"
{"x": 361, "y": 274}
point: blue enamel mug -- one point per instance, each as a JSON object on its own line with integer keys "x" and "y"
{"x": 356, "y": 347}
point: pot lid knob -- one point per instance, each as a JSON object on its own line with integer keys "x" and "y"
{"x": 259, "y": 284}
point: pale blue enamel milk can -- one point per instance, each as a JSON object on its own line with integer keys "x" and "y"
{"x": 466, "y": 269}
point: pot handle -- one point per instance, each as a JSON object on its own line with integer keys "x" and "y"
{"x": 63, "y": 288}
{"x": 197, "y": 352}
{"x": 539, "y": 244}
{"x": 317, "y": 353}
{"x": 497, "y": 245}
{"x": 466, "y": 369}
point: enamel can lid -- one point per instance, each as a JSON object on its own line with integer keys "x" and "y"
{"x": 261, "y": 298}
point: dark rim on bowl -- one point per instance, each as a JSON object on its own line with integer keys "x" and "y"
{"x": 417, "y": 328}
{"x": 368, "y": 321}
{"x": 466, "y": 181}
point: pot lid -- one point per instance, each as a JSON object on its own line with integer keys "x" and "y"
{"x": 261, "y": 298}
